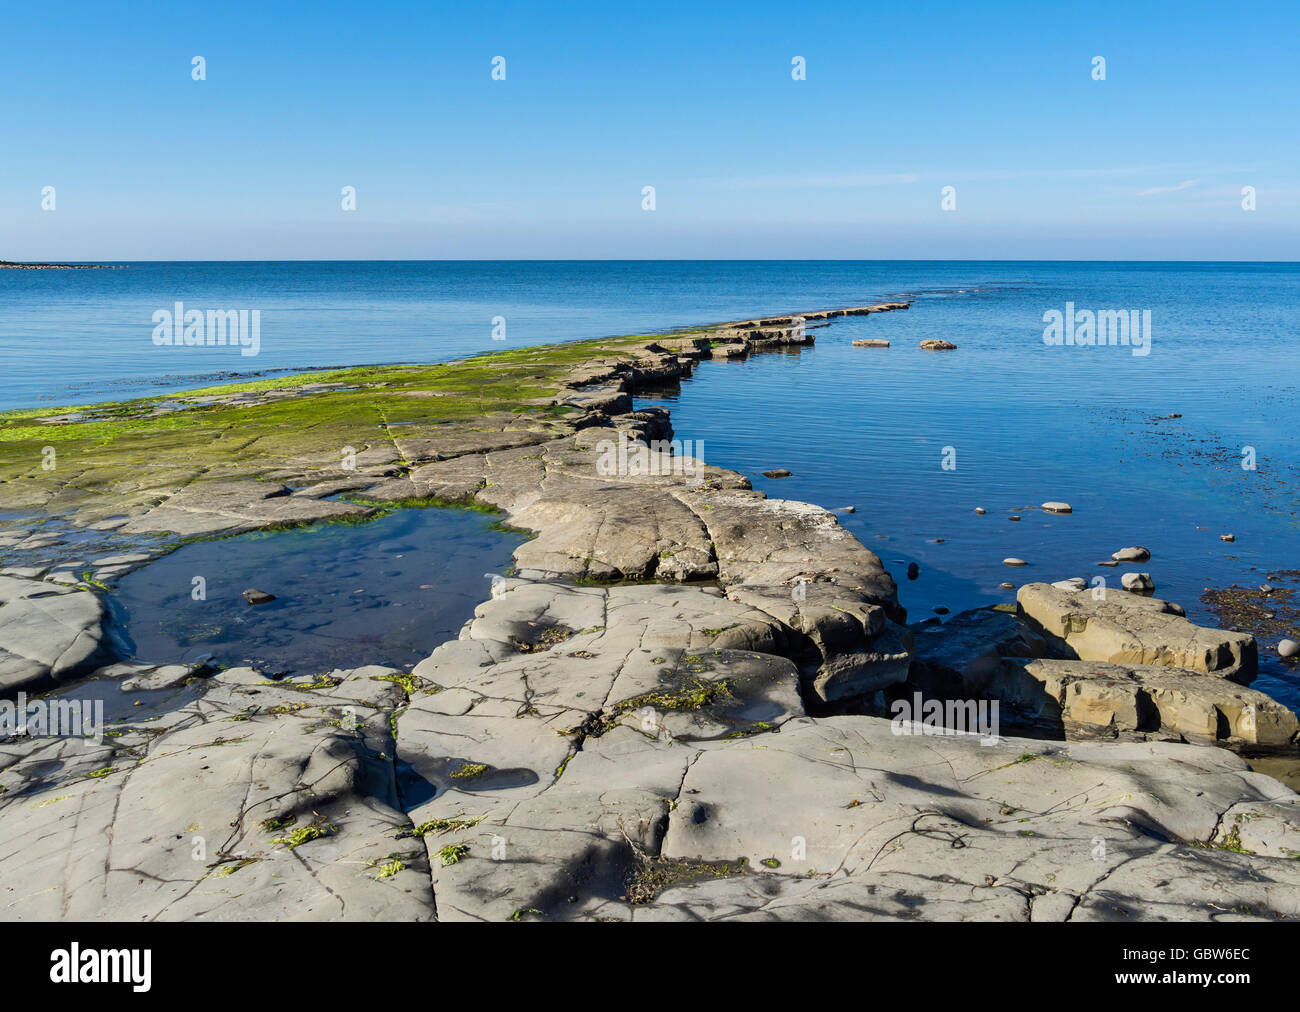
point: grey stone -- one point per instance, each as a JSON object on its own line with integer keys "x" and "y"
{"x": 48, "y": 634}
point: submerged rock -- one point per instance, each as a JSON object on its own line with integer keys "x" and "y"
{"x": 779, "y": 472}
{"x": 935, "y": 344}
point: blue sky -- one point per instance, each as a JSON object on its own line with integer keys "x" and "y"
{"x": 900, "y": 100}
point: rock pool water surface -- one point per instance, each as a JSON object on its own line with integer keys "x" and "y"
{"x": 386, "y": 591}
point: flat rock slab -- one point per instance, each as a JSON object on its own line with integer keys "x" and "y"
{"x": 837, "y": 817}
{"x": 1146, "y": 698}
{"x": 48, "y": 633}
{"x": 176, "y": 815}
{"x": 1125, "y": 628}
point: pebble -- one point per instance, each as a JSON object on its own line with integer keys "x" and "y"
{"x": 1014, "y": 517}
{"x": 1135, "y": 554}
{"x": 253, "y": 596}
{"x": 1227, "y": 537}
{"x": 1288, "y": 648}
{"x": 1058, "y": 507}
{"x": 1109, "y": 562}
{"x": 1014, "y": 562}
{"x": 1007, "y": 586}
{"x": 980, "y": 510}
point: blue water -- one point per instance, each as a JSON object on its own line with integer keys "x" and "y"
{"x": 386, "y": 591}
{"x": 70, "y": 336}
{"x": 864, "y": 427}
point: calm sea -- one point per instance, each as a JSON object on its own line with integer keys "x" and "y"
{"x": 914, "y": 440}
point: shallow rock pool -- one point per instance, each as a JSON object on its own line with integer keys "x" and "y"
{"x": 385, "y": 591}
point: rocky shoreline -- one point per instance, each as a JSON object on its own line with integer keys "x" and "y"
{"x": 670, "y": 710}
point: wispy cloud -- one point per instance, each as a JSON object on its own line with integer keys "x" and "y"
{"x": 1186, "y": 184}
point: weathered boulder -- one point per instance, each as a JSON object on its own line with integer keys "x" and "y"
{"x": 1107, "y": 698}
{"x": 1138, "y": 583}
{"x": 612, "y": 531}
{"x": 1126, "y": 628}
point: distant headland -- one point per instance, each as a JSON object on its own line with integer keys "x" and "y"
{"x": 15, "y": 266}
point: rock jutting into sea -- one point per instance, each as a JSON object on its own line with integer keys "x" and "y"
{"x": 677, "y": 706}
